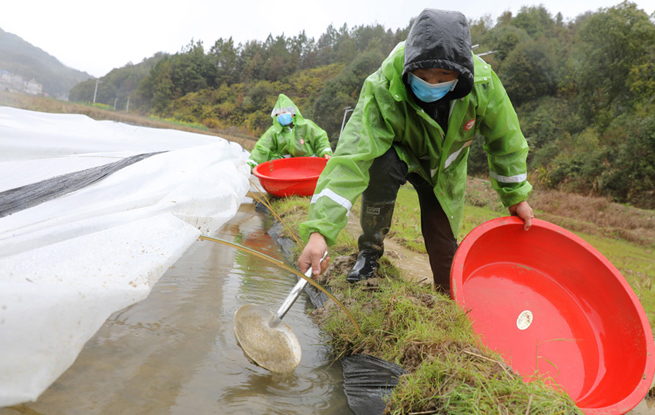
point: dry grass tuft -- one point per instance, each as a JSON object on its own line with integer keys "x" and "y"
{"x": 592, "y": 215}
{"x": 596, "y": 216}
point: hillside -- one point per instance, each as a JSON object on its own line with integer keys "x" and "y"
{"x": 22, "y": 58}
{"x": 582, "y": 90}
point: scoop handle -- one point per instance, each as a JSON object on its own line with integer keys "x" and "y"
{"x": 292, "y": 297}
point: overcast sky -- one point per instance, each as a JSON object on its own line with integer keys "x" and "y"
{"x": 96, "y": 37}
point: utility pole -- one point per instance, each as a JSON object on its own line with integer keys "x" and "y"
{"x": 127, "y": 107}
{"x": 115, "y": 101}
{"x": 343, "y": 122}
{"x": 98, "y": 81}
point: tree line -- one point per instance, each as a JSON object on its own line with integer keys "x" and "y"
{"x": 583, "y": 89}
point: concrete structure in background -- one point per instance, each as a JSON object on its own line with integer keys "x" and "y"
{"x": 16, "y": 83}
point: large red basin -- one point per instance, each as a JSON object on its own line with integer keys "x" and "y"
{"x": 553, "y": 306}
{"x": 294, "y": 176}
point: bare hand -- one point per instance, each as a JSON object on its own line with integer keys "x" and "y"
{"x": 312, "y": 254}
{"x": 523, "y": 211}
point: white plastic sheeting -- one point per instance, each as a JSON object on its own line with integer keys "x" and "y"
{"x": 68, "y": 263}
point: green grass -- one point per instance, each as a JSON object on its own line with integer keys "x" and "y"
{"x": 431, "y": 337}
{"x": 635, "y": 262}
{"x": 179, "y": 123}
{"x": 406, "y": 228}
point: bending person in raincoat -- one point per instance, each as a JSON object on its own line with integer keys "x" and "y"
{"x": 290, "y": 136}
{"x": 415, "y": 120}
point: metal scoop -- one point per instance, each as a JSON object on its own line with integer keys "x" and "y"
{"x": 265, "y": 338}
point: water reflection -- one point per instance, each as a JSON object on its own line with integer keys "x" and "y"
{"x": 175, "y": 352}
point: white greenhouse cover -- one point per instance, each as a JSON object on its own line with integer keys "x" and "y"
{"x": 67, "y": 263}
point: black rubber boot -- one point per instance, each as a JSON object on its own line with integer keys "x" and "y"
{"x": 365, "y": 266}
{"x": 375, "y": 219}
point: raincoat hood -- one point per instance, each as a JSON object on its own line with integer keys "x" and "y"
{"x": 305, "y": 139}
{"x": 284, "y": 104}
{"x": 441, "y": 39}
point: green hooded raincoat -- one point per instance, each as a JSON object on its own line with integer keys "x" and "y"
{"x": 387, "y": 115}
{"x": 305, "y": 139}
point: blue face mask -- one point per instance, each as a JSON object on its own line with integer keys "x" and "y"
{"x": 284, "y": 119}
{"x": 428, "y": 92}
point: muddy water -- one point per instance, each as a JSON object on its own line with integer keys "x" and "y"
{"x": 175, "y": 352}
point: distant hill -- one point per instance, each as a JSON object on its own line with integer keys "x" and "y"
{"x": 22, "y": 58}
{"x": 119, "y": 86}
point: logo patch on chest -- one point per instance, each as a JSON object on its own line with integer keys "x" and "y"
{"x": 469, "y": 125}
{"x": 302, "y": 141}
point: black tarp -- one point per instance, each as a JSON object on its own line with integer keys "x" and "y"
{"x": 368, "y": 381}
{"x": 15, "y": 200}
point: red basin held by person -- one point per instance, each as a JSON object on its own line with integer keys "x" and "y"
{"x": 553, "y": 306}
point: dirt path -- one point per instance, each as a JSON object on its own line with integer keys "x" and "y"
{"x": 413, "y": 265}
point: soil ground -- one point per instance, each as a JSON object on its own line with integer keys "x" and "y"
{"x": 413, "y": 265}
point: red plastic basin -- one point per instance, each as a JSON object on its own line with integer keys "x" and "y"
{"x": 555, "y": 307}
{"x": 294, "y": 176}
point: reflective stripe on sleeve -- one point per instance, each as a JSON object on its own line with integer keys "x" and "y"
{"x": 509, "y": 179}
{"x": 342, "y": 201}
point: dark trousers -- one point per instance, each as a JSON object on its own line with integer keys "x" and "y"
{"x": 387, "y": 174}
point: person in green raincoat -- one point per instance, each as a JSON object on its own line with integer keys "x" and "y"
{"x": 415, "y": 120}
{"x": 291, "y": 135}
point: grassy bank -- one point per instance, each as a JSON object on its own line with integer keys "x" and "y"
{"x": 409, "y": 324}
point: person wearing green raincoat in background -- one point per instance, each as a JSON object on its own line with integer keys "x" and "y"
{"x": 415, "y": 120}
{"x": 291, "y": 135}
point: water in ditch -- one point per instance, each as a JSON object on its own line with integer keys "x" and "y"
{"x": 176, "y": 353}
